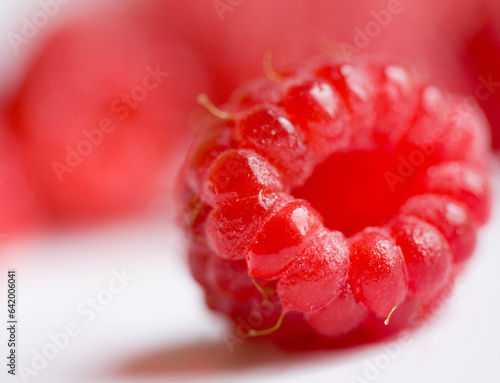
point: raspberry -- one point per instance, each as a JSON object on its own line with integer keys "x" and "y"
{"x": 445, "y": 129}
{"x": 100, "y": 121}
{"x": 287, "y": 174}
{"x": 206, "y": 149}
{"x": 21, "y": 207}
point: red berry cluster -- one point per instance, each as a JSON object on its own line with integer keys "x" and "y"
{"x": 376, "y": 155}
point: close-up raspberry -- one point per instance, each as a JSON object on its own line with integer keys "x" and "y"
{"x": 233, "y": 191}
{"x": 345, "y": 194}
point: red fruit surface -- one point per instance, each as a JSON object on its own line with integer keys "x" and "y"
{"x": 457, "y": 134}
{"x": 315, "y": 278}
{"x": 281, "y": 239}
{"x": 20, "y": 207}
{"x": 377, "y": 271}
{"x": 480, "y": 56}
{"x": 451, "y": 217}
{"x": 269, "y": 132}
{"x": 232, "y": 228}
{"x": 457, "y": 40}
{"x": 358, "y": 179}
{"x": 426, "y": 251}
{"x": 462, "y": 182}
{"x": 349, "y": 157}
{"x": 321, "y": 115}
{"x": 239, "y": 174}
{"x": 340, "y": 316}
{"x": 103, "y": 113}
{"x": 230, "y": 277}
{"x": 205, "y": 149}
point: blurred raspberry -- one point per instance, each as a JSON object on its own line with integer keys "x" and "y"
{"x": 103, "y": 113}
{"x": 18, "y": 203}
{"x": 233, "y": 36}
{"x": 481, "y": 60}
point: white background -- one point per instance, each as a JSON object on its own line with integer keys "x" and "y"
{"x": 158, "y": 329}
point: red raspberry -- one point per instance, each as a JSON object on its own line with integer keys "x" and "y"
{"x": 103, "y": 113}
{"x": 319, "y": 112}
{"x": 20, "y": 206}
{"x": 462, "y": 182}
{"x": 480, "y": 54}
{"x": 269, "y": 132}
{"x": 272, "y": 189}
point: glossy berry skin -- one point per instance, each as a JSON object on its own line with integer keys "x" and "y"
{"x": 377, "y": 271}
{"x": 320, "y": 271}
{"x": 232, "y": 228}
{"x": 340, "y": 316}
{"x": 315, "y": 194}
{"x": 281, "y": 239}
{"x": 269, "y": 132}
{"x": 320, "y": 113}
{"x": 461, "y": 182}
{"x": 426, "y": 251}
{"x": 451, "y": 218}
{"x": 458, "y": 134}
{"x": 239, "y": 174}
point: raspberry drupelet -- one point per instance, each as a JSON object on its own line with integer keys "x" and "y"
{"x": 346, "y": 195}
